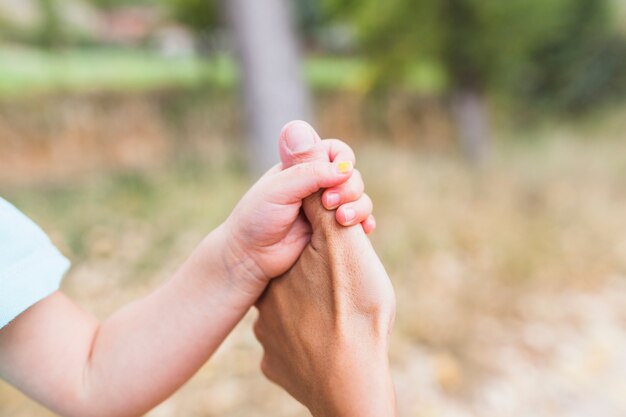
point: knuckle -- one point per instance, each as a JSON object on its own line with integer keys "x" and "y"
{"x": 387, "y": 304}
{"x": 354, "y": 187}
{"x": 266, "y": 368}
{"x": 324, "y": 173}
{"x": 340, "y": 149}
{"x": 315, "y": 171}
{"x": 304, "y": 155}
{"x": 318, "y": 170}
{"x": 309, "y": 169}
{"x": 367, "y": 201}
{"x": 382, "y": 304}
{"x": 258, "y": 330}
{"x": 310, "y": 173}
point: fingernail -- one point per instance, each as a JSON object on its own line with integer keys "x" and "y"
{"x": 349, "y": 214}
{"x": 332, "y": 200}
{"x": 344, "y": 167}
{"x": 299, "y": 137}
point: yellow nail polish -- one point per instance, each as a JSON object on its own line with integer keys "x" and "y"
{"x": 344, "y": 167}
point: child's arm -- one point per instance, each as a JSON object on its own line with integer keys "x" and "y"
{"x": 71, "y": 363}
{"x": 62, "y": 357}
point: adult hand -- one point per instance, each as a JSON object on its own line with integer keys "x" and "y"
{"x": 266, "y": 231}
{"x": 324, "y": 325}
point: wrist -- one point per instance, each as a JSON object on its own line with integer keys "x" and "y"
{"x": 240, "y": 271}
{"x": 360, "y": 387}
{"x": 374, "y": 398}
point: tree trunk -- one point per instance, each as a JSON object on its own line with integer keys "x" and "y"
{"x": 471, "y": 119}
{"x": 273, "y": 86}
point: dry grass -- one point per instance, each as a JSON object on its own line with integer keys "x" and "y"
{"x": 511, "y": 281}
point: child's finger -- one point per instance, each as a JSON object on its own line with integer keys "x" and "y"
{"x": 369, "y": 224}
{"x": 293, "y": 184}
{"x": 347, "y": 192}
{"x": 355, "y": 212}
{"x": 339, "y": 150}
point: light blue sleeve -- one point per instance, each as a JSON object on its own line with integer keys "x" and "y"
{"x": 31, "y": 268}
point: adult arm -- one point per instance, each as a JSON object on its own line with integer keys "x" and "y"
{"x": 325, "y": 324}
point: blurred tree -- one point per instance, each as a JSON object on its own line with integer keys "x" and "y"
{"x": 531, "y": 47}
{"x": 50, "y": 33}
{"x": 273, "y": 84}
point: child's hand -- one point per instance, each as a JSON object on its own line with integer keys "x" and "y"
{"x": 266, "y": 228}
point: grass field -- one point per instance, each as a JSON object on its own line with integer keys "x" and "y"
{"x": 29, "y": 71}
{"x": 511, "y": 281}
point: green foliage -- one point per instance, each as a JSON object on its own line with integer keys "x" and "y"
{"x": 112, "y": 4}
{"x": 581, "y": 64}
{"x": 310, "y": 16}
{"x": 50, "y": 31}
{"x": 201, "y": 16}
{"x": 535, "y": 47}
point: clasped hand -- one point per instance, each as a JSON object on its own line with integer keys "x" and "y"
{"x": 325, "y": 304}
{"x": 325, "y": 317}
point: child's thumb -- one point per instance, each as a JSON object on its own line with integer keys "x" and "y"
{"x": 297, "y": 144}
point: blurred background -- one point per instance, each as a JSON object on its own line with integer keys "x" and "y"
{"x": 491, "y": 136}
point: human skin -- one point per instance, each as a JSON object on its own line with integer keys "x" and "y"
{"x": 75, "y": 365}
{"x": 325, "y": 324}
